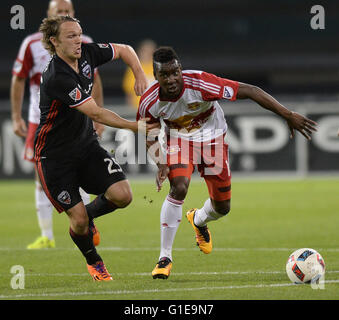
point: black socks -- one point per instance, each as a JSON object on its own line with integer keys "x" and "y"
{"x": 99, "y": 207}
{"x": 86, "y": 246}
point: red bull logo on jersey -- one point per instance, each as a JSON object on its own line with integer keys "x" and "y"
{"x": 190, "y": 122}
{"x": 193, "y": 106}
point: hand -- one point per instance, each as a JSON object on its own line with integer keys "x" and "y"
{"x": 304, "y": 125}
{"x": 140, "y": 85}
{"x": 99, "y": 128}
{"x": 162, "y": 174}
{"x": 20, "y": 128}
{"x": 145, "y": 128}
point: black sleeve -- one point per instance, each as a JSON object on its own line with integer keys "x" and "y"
{"x": 100, "y": 53}
{"x": 67, "y": 90}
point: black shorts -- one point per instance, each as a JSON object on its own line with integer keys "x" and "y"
{"x": 94, "y": 173}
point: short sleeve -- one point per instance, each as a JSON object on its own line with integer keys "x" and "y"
{"x": 211, "y": 86}
{"x": 147, "y": 104}
{"x": 24, "y": 61}
{"x": 67, "y": 90}
{"x": 100, "y": 52}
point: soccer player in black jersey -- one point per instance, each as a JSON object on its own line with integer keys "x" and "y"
{"x": 67, "y": 152}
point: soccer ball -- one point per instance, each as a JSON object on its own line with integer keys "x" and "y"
{"x": 305, "y": 266}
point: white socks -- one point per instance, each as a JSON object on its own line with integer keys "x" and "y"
{"x": 170, "y": 218}
{"x": 44, "y": 212}
{"x": 206, "y": 214}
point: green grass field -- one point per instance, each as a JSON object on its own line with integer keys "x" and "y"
{"x": 268, "y": 220}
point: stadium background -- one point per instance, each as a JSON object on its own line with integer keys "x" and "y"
{"x": 269, "y": 44}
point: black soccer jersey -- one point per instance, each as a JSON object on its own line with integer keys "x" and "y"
{"x": 63, "y": 130}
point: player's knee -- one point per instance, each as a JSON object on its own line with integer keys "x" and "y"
{"x": 80, "y": 224}
{"x": 127, "y": 199}
{"x": 223, "y": 207}
{"x": 120, "y": 195}
{"x": 179, "y": 191}
{"x": 124, "y": 199}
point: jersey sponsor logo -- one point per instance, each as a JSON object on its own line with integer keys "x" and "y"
{"x": 228, "y": 92}
{"x": 64, "y": 197}
{"x": 86, "y": 71}
{"x": 103, "y": 45}
{"x": 193, "y": 106}
{"x": 75, "y": 94}
{"x": 190, "y": 122}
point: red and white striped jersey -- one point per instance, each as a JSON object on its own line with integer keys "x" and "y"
{"x": 31, "y": 61}
{"x": 195, "y": 114}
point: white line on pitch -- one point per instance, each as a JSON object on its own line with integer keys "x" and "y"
{"x": 127, "y": 292}
{"x": 175, "y": 249}
{"x": 147, "y": 274}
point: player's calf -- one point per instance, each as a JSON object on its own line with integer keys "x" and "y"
{"x": 221, "y": 207}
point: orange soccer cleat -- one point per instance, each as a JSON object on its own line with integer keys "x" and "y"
{"x": 163, "y": 269}
{"x": 202, "y": 234}
{"x": 99, "y": 272}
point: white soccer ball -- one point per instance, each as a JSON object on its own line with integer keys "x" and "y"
{"x": 305, "y": 266}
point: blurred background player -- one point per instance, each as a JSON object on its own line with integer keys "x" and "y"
{"x": 30, "y": 63}
{"x": 145, "y": 53}
{"x": 186, "y": 103}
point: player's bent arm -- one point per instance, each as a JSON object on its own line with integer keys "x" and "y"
{"x": 105, "y": 116}
{"x": 17, "y": 91}
{"x": 129, "y": 56}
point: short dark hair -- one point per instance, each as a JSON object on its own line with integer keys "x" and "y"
{"x": 164, "y": 54}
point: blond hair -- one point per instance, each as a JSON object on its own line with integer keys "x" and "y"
{"x": 50, "y": 27}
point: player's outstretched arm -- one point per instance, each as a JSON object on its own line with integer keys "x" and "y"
{"x": 110, "y": 118}
{"x": 294, "y": 120}
{"x": 16, "y": 96}
{"x": 128, "y": 55}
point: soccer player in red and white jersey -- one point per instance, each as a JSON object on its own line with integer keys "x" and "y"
{"x": 186, "y": 104}
{"x": 29, "y": 64}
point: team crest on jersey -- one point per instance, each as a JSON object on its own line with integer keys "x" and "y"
{"x": 193, "y": 106}
{"x": 75, "y": 94}
{"x": 86, "y": 71}
{"x": 64, "y": 197}
{"x": 228, "y": 92}
{"x": 103, "y": 45}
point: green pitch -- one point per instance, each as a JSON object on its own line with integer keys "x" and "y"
{"x": 268, "y": 220}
